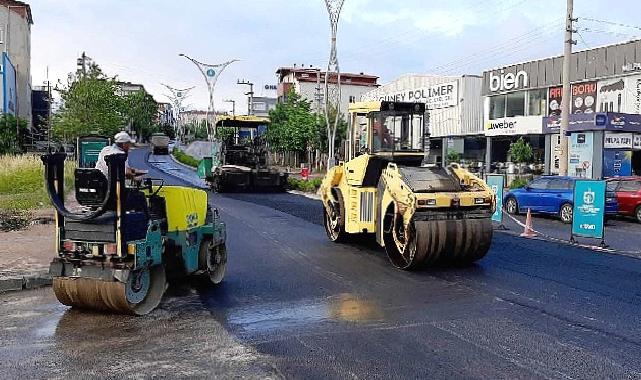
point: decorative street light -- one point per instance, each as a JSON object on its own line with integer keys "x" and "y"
{"x": 211, "y": 72}
{"x": 177, "y": 96}
{"x": 332, "y": 92}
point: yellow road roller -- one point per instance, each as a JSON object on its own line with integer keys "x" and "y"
{"x": 422, "y": 214}
{"x": 116, "y": 250}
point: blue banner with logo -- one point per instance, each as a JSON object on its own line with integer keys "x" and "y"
{"x": 496, "y": 183}
{"x": 589, "y": 209}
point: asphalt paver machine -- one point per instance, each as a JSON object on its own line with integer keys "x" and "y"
{"x": 422, "y": 214}
{"x": 239, "y": 160}
{"x": 116, "y": 250}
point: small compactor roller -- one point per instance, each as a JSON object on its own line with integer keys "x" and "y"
{"x": 117, "y": 251}
{"x": 422, "y": 214}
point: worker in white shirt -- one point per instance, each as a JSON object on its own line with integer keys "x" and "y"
{"x": 122, "y": 143}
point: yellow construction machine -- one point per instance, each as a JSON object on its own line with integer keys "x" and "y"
{"x": 422, "y": 214}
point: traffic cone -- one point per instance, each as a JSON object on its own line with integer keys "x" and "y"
{"x": 528, "y": 232}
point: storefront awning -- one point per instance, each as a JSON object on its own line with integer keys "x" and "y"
{"x": 599, "y": 121}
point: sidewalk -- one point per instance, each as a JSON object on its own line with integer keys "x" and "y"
{"x": 25, "y": 256}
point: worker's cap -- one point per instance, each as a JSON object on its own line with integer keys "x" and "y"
{"x": 122, "y": 137}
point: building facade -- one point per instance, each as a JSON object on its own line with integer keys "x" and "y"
{"x": 15, "y": 38}
{"x": 455, "y": 111}
{"x": 524, "y": 100}
{"x": 165, "y": 114}
{"x": 261, "y": 105}
{"x": 310, "y": 84}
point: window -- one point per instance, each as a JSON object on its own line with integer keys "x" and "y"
{"x": 559, "y": 184}
{"x": 612, "y": 185}
{"x": 539, "y": 184}
{"x": 515, "y": 104}
{"x": 398, "y": 133}
{"x": 537, "y": 105}
{"x": 361, "y": 142}
{"x": 497, "y": 107}
{"x": 352, "y": 99}
{"x": 630, "y": 186}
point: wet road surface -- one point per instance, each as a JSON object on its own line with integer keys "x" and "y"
{"x": 300, "y": 306}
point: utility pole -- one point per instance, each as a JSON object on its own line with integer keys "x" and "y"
{"x": 233, "y": 107}
{"x": 211, "y": 72}
{"x": 566, "y": 97}
{"x": 49, "y": 111}
{"x": 332, "y": 93}
{"x": 250, "y": 95}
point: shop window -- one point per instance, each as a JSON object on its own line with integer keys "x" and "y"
{"x": 515, "y": 104}
{"x": 537, "y": 105}
{"x": 497, "y": 107}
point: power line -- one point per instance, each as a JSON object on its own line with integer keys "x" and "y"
{"x": 612, "y": 23}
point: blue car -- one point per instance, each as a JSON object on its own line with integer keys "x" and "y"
{"x": 552, "y": 195}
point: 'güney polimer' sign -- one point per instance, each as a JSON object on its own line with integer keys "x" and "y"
{"x": 589, "y": 208}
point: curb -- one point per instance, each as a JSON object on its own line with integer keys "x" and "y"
{"x": 313, "y": 196}
{"x": 25, "y": 282}
{"x": 181, "y": 164}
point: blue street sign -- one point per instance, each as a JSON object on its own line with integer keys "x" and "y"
{"x": 497, "y": 182}
{"x": 211, "y": 73}
{"x": 589, "y": 209}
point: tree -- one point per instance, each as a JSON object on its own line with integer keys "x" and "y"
{"x": 453, "y": 156}
{"x": 521, "y": 151}
{"x": 292, "y": 125}
{"x": 320, "y": 138}
{"x": 12, "y": 131}
{"x": 141, "y": 110}
{"x": 89, "y": 105}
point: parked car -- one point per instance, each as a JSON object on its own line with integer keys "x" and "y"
{"x": 550, "y": 195}
{"x": 628, "y": 193}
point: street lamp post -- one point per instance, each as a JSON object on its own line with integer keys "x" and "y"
{"x": 211, "y": 72}
{"x": 233, "y": 107}
{"x": 332, "y": 93}
{"x": 250, "y": 94}
{"x": 177, "y": 96}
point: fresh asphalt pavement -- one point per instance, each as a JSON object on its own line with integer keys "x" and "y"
{"x": 295, "y": 305}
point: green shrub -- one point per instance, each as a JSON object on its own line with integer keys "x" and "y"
{"x": 309, "y": 186}
{"x": 185, "y": 158}
{"x": 518, "y": 183}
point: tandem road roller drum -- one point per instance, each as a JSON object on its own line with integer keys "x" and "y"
{"x": 118, "y": 253}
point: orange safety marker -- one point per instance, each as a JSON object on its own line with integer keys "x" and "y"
{"x": 528, "y": 231}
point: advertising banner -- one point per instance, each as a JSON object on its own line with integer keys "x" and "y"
{"x": 554, "y": 101}
{"x": 611, "y": 95}
{"x": 442, "y": 95}
{"x": 636, "y": 142}
{"x": 9, "y": 85}
{"x": 497, "y": 183}
{"x": 580, "y": 155}
{"x": 584, "y": 97}
{"x": 617, "y": 140}
{"x": 617, "y": 163}
{"x": 589, "y": 209}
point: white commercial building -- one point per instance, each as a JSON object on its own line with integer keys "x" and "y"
{"x": 310, "y": 84}
{"x": 455, "y": 110}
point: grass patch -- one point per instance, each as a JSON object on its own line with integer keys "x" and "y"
{"x": 22, "y": 182}
{"x": 184, "y": 158}
{"x": 309, "y": 186}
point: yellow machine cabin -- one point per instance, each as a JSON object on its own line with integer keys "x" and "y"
{"x": 421, "y": 214}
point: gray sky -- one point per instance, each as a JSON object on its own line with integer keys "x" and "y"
{"x": 139, "y": 40}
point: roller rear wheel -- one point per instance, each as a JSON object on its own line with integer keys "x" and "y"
{"x": 213, "y": 259}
